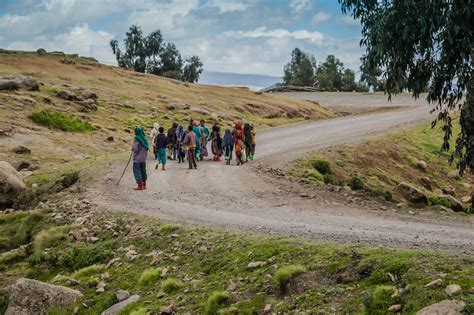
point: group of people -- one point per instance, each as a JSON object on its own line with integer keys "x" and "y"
{"x": 191, "y": 143}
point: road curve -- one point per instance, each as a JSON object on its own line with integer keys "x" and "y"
{"x": 240, "y": 198}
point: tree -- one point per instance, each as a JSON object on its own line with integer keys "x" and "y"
{"x": 152, "y": 55}
{"x": 348, "y": 81}
{"x": 300, "y": 70}
{"x": 192, "y": 69}
{"x": 371, "y": 75}
{"x": 425, "y": 44}
{"x": 329, "y": 74}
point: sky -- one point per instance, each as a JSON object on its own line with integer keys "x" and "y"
{"x": 240, "y": 36}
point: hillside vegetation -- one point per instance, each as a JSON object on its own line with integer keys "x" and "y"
{"x": 76, "y": 93}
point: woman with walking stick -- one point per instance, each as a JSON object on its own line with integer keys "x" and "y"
{"x": 139, "y": 153}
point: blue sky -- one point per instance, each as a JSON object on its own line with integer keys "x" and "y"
{"x": 241, "y": 36}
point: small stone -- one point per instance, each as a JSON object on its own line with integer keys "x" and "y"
{"x": 395, "y": 308}
{"x": 202, "y": 249}
{"x": 167, "y": 310}
{"x": 422, "y": 165}
{"x": 453, "y": 174}
{"x": 110, "y": 139}
{"x": 94, "y": 239}
{"x": 34, "y": 185}
{"x": 100, "y": 287}
{"x": 434, "y": 284}
{"x": 122, "y": 295}
{"x": 22, "y": 150}
{"x": 401, "y": 205}
{"x": 231, "y": 287}
{"x": 466, "y": 199}
{"x": 471, "y": 290}
{"x": 268, "y": 308}
{"x": 256, "y": 264}
{"x": 453, "y": 289}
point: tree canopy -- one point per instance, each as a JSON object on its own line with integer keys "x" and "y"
{"x": 424, "y": 44}
{"x": 300, "y": 70}
{"x": 152, "y": 55}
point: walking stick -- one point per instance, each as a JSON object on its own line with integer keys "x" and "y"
{"x": 126, "y": 166}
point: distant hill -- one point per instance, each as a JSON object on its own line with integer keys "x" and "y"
{"x": 253, "y": 81}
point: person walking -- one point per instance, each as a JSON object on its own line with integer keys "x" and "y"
{"x": 228, "y": 146}
{"x": 153, "y": 133}
{"x": 216, "y": 142}
{"x": 161, "y": 141}
{"x": 198, "y": 133}
{"x": 248, "y": 142}
{"x": 254, "y": 143}
{"x": 139, "y": 154}
{"x": 190, "y": 143}
{"x": 172, "y": 139}
{"x": 180, "y": 134}
{"x": 239, "y": 142}
{"x": 203, "y": 141}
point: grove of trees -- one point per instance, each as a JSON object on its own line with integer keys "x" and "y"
{"x": 151, "y": 54}
{"x": 424, "y": 45}
{"x": 330, "y": 75}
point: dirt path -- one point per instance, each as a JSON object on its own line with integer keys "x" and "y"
{"x": 243, "y": 198}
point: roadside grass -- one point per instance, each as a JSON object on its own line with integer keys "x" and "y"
{"x": 346, "y": 278}
{"x": 379, "y": 165}
{"x": 60, "y": 121}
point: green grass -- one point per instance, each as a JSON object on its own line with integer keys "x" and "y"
{"x": 171, "y": 285}
{"x": 150, "y": 276}
{"x": 284, "y": 274}
{"x": 88, "y": 271}
{"x": 48, "y": 238}
{"x": 60, "y": 121}
{"x": 216, "y": 301}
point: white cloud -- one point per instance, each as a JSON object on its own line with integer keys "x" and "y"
{"x": 299, "y": 5}
{"x": 228, "y": 5}
{"x": 315, "y": 37}
{"x": 320, "y": 17}
{"x": 349, "y": 20}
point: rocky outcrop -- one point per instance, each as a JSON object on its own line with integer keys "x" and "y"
{"x": 11, "y": 184}
{"x": 25, "y": 83}
{"x": 413, "y": 194}
{"x": 446, "y": 307}
{"x": 33, "y": 297}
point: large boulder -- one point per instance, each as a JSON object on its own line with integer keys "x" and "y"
{"x": 11, "y": 184}
{"x": 453, "y": 203}
{"x": 413, "y": 194}
{"x": 446, "y": 307}
{"x": 32, "y": 297}
{"x": 67, "y": 95}
{"x": 41, "y": 52}
{"x": 26, "y": 83}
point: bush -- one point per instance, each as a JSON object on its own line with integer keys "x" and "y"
{"x": 215, "y": 301}
{"x": 150, "y": 276}
{"x": 170, "y": 285}
{"x": 60, "y": 121}
{"x": 379, "y": 300}
{"x": 356, "y": 182}
{"x": 24, "y": 233}
{"x": 435, "y": 201}
{"x": 284, "y": 274}
{"x": 322, "y": 166}
{"x": 327, "y": 178}
{"x": 80, "y": 256}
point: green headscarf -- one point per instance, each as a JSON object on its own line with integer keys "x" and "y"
{"x": 248, "y": 134}
{"x": 141, "y": 138}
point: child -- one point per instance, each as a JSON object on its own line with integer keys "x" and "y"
{"x": 216, "y": 142}
{"x": 154, "y": 132}
{"x": 172, "y": 133}
{"x": 228, "y": 146}
{"x": 181, "y": 152}
{"x": 140, "y": 151}
{"x": 190, "y": 143}
{"x": 161, "y": 141}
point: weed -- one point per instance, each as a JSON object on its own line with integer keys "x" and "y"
{"x": 150, "y": 276}
{"x": 171, "y": 285}
{"x": 216, "y": 300}
{"x": 322, "y": 166}
{"x": 60, "y": 121}
{"x": 284, "y": 274}
{"x": 79, "y": 256}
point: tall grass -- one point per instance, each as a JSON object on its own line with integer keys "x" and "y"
{"x": 60, "y": 121}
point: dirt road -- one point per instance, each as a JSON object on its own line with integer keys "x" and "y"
{"x": 242, "y": 198}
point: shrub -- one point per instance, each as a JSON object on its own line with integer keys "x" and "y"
{"x": 88, "y": 271}
{"x": 170, "y": 285}
{"x": 435, "y": 201}
{"x": 150, "y": 276}
{"x": 24, "y": 233}
{"x": 79, "y": 256}
{"x": 327, "y": 178}
{"x": 379, "y": 300}
{"x": 48, "y": 238}
{"x": 284, "y": 274}
{"x": 215, "y": 301}
{"x": 356, "y": 182}
{"x": 322, "y": 166}
{"x": 60, "y": 121}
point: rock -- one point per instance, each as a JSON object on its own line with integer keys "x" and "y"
{"x": 446, "y": 307}
{"x": 100, "y": 287}
{"x": 11, "y": 184}
{"x": 413, "y": 194}
{"x": 395, "y": 308}
{"x": 22, "y": 165}
{"x": 453, "y": 289}
{"x": 401, "y": 205}
{"x": 449, "y": 191}
{"x": 256, "y": 264}
{"x": 167, "y": 310}
{"x": 441, "y": 208}
{"x": 434, "y": 284}
{"x": 231, "y": 287}
{"x": 177, "y": 106}
{"x": 26, "y": 83}
{"x": 268, "y": 308}
{"x": 122, "y": 295}
{"x": 29, "y": 84}
{"x": 422, "y": 165}
{"x": 202, "y": 249}
{"x": 66, "y": 95}
{"x": 94, "y": 239}
{"x": 454, "y": 174}
{"x": 116, "y": 308}
{"x": 41, "y": 52}
{"x": 453, "y": 203}
{"x": 22, "y": 150}
{"x": 426, "y": 182}
{"x": 466, "y": 199}
{"x": 88, "y": 105}
{"x": 471, "y": 290}
{"x": 86, "y": 94}
{"x": 33, "y": 297}
{"x": 110, "y": 139}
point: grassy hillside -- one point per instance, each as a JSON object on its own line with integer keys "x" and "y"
{"x": 379, "y": 165}
{"x": 125, "y": 99}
